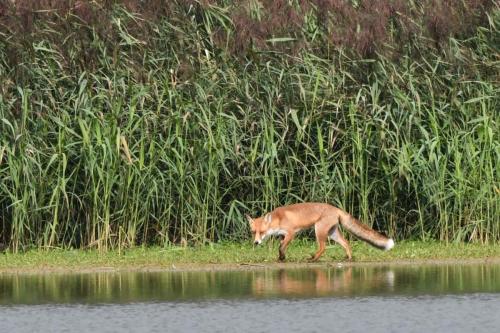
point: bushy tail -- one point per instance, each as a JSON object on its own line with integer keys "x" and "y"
{"x": 366, "y": 233}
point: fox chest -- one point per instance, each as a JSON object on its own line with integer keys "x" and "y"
{"x": 275, "y": 232}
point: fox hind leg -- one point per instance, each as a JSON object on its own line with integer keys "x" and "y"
{"x": 336, "y": 236}
{"x": 321, "y": 238}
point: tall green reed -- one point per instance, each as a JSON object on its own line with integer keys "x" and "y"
{"x": 173, "y": 141}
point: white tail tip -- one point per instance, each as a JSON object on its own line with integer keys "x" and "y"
{"x": 389, "y": 245}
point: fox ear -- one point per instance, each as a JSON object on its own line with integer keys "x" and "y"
{"x": 268, "y": 218}
{"x": 249, "y": 219}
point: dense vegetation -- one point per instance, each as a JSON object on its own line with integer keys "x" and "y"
{"x": 132, "y": 122}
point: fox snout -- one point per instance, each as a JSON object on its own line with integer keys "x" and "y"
{"x": 257, "y": 241}
{"x": 257, "y": 238}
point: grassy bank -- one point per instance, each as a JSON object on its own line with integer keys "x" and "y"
{"x": 233, "y": 254}
{"x": 119, "y": 127}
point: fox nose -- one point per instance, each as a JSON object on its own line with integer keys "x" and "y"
{"x": 256, "y": 243}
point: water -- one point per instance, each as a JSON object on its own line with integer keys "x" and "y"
{"x": 451, "y": 298}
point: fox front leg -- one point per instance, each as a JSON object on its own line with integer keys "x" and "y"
{"x": 283, "y": 245}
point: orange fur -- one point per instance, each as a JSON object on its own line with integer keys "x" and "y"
{"x": 286, "y": 221}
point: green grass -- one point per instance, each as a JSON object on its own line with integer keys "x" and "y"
{"x": 235, "y": 253}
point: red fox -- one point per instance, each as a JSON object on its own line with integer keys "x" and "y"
{"x": 286, "y": 221}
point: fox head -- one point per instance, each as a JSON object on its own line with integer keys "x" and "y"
{"x": 260, "y": 227}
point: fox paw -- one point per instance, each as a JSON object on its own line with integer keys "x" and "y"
{"x": 312, "y": 259}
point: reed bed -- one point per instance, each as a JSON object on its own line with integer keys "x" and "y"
{"x": 167, "y": 129}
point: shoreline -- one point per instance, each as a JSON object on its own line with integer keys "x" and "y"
{"x": 241, "y": 256}
{"x": 226, "y": 267}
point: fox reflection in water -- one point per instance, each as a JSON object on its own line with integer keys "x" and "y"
{"x": 322, "y": 282}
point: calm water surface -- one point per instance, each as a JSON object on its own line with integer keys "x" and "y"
{"x": 435, "y": 298}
